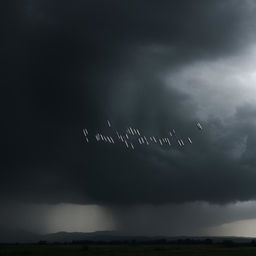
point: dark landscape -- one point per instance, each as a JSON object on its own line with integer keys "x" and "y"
{"x": 131, "y": 248}
{"x": 110, "y": 243}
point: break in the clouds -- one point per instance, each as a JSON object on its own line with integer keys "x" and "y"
{"x": 154, "y": 65}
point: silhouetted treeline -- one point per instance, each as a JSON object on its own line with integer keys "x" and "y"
{"x": 185, "y": 241}
{"x": 181, "y": 241}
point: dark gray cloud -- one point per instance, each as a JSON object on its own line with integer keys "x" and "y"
{"x": 73, "y": 65}
{"x": 196, "y": 219}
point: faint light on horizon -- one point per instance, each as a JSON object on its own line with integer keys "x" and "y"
{"x": 241, "y": 228}
{"x": 51, "y": 218}
{"x": 78, "y": 218}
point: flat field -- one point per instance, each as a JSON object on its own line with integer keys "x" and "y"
{"x": 125, "y": 250}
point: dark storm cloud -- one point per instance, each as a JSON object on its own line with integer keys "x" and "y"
{"x": 73, "y": 65}
{"x": 197, "y": 218}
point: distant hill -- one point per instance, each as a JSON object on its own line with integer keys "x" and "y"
{"x": 21, "y": 236}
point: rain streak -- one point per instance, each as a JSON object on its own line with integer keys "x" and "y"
{"x": 133, "y": 137}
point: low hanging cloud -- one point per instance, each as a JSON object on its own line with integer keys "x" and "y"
{"x": 73, "y": 65}
{"x": 192, "y": 219}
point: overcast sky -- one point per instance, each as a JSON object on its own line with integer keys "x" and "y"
{"x": 155, "y": 65}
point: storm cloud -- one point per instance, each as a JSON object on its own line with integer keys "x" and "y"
{"x": 70, "y": 65}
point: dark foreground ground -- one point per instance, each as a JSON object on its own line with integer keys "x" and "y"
{"x": 122, "y": 250}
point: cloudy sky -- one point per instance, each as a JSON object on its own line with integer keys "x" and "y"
{"x": 155, "y": 65}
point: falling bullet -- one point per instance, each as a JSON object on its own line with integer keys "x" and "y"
{"x": 129, "y": 140}
{"x": 146, "y": 140}
{"x": 199, "y": 126}
{"x": 84, "y": 133}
